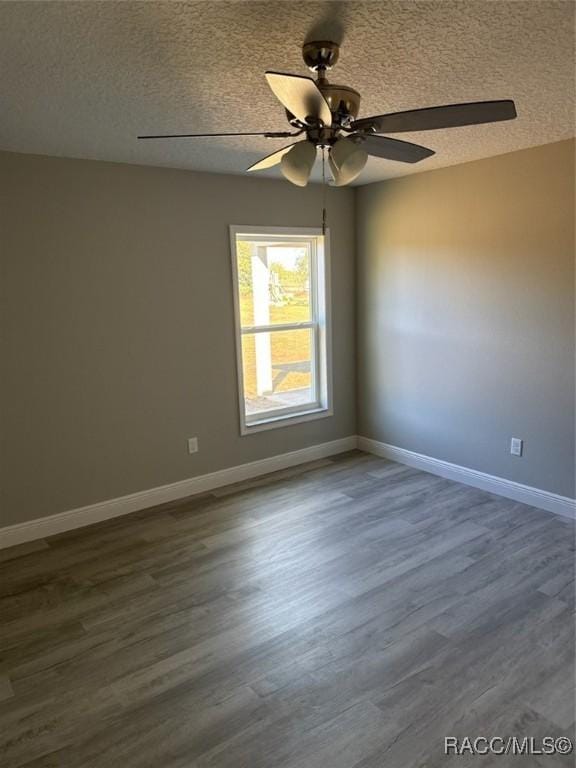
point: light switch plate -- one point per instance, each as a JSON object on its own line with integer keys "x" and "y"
{"x": 516, "y": 446}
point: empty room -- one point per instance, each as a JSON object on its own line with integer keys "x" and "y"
{"x": 287, "y": 343}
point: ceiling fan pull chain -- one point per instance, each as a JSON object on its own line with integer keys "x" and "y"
{"x": 323, "y": 191}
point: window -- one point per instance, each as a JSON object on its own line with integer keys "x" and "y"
{"x": 282, "y": 325}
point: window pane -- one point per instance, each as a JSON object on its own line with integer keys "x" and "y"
{"x": 278, "y": 370}
{"x": 274, "y": 283}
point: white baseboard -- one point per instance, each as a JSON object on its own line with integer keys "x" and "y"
{"x": 105, "y": 510}
{"x": 535, "y": 497}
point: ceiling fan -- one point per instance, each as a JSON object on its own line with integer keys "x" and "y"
{"x": 326, "y": 116}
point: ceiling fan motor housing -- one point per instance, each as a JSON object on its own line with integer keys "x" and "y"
{"x": 344, "y": 102}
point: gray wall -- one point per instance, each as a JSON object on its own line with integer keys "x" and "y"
{"x": 466, "y": 314}
{"x": 118, "y": 330}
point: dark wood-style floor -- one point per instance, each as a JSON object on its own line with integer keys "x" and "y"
{"x": 349, "y": 613}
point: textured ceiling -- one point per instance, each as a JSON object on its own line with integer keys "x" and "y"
{"x": 82, "y": 79}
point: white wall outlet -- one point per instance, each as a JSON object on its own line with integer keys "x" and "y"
{"x": 192, "y": 445}
{"x": 516, "y": 446}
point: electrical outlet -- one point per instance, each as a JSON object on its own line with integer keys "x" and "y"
{"x": 516, "y": 446}
{"x": 192, "y": 445}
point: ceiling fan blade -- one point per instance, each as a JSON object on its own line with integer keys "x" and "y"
{"x": 270, "y": 160}
{"x": 268, "y": 134}
{"x": 300, "y": 96}
{"x": 431, "y": 118}
{"x": 392, "y": 149}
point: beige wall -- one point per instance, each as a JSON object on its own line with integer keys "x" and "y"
{"x": 466, "y": 314}
{"x": 118, "y": 339}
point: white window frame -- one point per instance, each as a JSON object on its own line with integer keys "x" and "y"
{"x": 320, "y": 320}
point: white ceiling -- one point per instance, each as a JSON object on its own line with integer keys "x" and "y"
{"x": 82, "y": 79}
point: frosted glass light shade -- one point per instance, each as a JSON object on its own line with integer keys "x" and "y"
{"x": 347, "y": 160}
{"x": 296, "y": 165}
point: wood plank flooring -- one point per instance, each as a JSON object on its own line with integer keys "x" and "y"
{"x": 349, "y": 613}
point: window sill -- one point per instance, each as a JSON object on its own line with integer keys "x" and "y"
{"x": 276, "y": 422}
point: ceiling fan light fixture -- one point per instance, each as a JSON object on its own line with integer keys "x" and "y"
{"x": 296, "y": 165}
{"x": 347, "y": 161}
